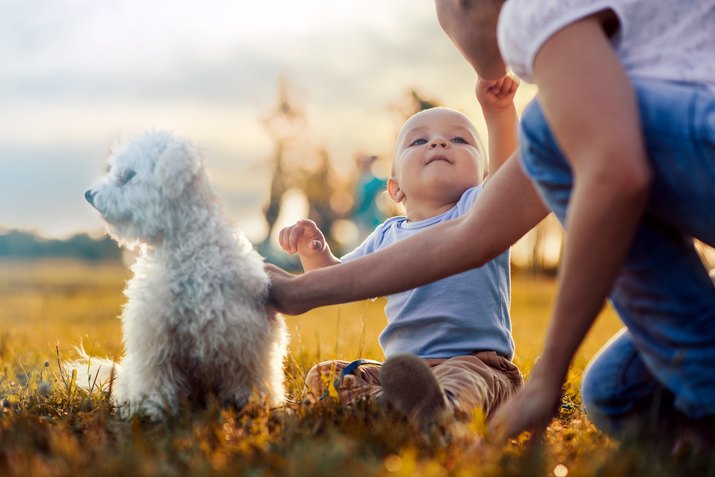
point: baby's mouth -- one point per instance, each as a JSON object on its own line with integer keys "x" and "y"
{"x": 438, "y": 158}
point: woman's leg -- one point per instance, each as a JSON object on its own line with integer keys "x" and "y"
{"x": 663, "y": 293}
{"x": 620, "y": 393}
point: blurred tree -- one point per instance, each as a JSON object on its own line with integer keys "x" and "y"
{"x": 272, "y": 209}
{"x": 22, "y": 244}
{"x": 298, "y": 164}
{"x": 319, "y": 187}
{"x": 420, "y": 103}
{"x": 414, "y": 103}
{"x": 283, "y": 123}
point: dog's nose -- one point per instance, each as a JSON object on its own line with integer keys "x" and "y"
{"x": 89, "y": 195}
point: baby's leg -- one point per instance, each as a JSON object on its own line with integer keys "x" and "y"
{"x": 362, "y": 383}
{"x": 481, "y": 381}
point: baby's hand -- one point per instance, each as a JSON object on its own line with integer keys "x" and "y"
{"x": 303, "y": 238}
{"x": 497, "y": 95}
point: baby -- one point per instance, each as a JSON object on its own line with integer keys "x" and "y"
{"x": 448, "y": 344}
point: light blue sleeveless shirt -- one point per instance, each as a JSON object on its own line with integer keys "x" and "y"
{"x": 455, "y": 316}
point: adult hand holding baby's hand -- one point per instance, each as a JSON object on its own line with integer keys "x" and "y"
{"x": 303, "y": 238}
{"x": 497, "y": 95}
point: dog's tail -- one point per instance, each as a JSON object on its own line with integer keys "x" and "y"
{"x": 91, "y": 373}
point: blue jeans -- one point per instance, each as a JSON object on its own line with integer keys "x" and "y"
{"x": 666, "y": 359}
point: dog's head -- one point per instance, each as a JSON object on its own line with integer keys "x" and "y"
{"x": 150, "y": 181}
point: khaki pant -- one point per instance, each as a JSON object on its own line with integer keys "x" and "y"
{"x": 482, "y": 380}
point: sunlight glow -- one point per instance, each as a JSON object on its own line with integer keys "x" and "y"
{"x": 561, "y": 470}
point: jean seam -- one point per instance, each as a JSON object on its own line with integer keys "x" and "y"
{"x": 623, "y": 371}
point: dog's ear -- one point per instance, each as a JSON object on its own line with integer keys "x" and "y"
{"x": 177, "y": 165}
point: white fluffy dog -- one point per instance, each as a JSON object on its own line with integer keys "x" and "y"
{"x": 195, "y": 324}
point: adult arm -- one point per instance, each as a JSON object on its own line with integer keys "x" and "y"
{"x": 591, "y": 107}
{"x": 504, "y": 211}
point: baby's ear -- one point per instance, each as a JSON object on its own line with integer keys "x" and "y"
{"x": 176, "y": 166}
{"x": 394, "y": 191}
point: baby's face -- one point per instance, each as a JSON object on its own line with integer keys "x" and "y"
{"x": 437, "y": 156}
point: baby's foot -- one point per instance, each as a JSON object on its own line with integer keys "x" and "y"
{"x": 410, "y": 386}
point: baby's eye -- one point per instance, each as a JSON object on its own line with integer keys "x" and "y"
{"x": 126, "y": 176}
{"x": 459, "y": 140}
{"x": 418, "y": 141}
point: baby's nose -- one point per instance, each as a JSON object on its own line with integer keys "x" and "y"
{"x": 438, "y": 142}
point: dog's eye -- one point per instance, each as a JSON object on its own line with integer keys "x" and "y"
{"x": 127, "y": 176}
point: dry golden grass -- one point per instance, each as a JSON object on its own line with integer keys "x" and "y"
{"x": 48, "y": 427}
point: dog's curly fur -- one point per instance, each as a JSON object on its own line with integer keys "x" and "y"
{"x": 195, "y": 324}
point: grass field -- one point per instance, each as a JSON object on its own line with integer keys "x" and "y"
{"x": 50, "y": 428}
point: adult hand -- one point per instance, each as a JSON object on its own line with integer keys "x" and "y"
{"x": 281, "y": 294}
{"x": 496, "y": 96}
{"x": 531, "y": 409}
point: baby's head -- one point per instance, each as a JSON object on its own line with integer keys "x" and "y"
{"x": 438, "y": 156}
{"x": 472, "y": 27}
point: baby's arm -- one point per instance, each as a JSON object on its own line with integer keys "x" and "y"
{"x": 306, "y": 239}
{"x": 497, "y": 100}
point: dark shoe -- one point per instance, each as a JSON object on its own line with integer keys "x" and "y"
{"x": 410, "y": 386}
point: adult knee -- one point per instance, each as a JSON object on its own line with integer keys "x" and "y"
{"x": 597, "y": 389}
{"x": 601, "y": 398}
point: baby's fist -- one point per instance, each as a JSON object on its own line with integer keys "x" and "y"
{"x": 303, "y": 238}
{"x": 497, "y": 95}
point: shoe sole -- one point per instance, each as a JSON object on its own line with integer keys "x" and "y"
{"x": 410, "y": 386}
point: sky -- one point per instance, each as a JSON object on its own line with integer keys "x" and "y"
{"x": 79, "y": 76}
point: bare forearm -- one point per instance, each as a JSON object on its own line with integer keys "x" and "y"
{"x": 505, "y": 210}
{"x": 601, "y": 139}
{"x": 602, "y": 222}
{"x": 388, "y": 271}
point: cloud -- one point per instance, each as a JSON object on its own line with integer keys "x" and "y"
{"x": 77, "y": 75}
